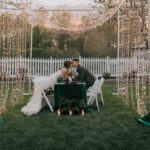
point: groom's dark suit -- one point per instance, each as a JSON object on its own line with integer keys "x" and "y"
{"x": 86, "y": 76}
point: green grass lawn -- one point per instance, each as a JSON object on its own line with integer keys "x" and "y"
{"x": 112, "y": 128}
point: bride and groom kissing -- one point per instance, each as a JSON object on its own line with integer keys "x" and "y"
{"x": 35, "y": 103}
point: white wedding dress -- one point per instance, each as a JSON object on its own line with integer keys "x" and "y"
{"x": 40, "y": 83}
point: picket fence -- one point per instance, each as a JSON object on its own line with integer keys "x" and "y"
{"x": 98, "y": 66}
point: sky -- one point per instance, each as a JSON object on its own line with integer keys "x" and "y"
{"x": 69, "y": 3}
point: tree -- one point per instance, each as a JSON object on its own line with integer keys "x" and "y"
{"x": 41, "y": 38}
{"x": 102, "y": 41}
{"x": 61, "y": 19}
{"x": 8, "y": 3}
{"x": 42, "y": 17}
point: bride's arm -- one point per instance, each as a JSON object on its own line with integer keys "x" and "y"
{"x": 64, "y": 73}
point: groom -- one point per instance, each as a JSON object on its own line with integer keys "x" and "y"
{"x": 83, "y": 74}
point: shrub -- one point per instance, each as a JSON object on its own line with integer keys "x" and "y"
{"x": 106, "y": 75}
{"x": 55, "y": 52}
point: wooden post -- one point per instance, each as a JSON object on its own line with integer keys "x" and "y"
{"x": 118, "y": 51}
{"x": 31, "y": 48}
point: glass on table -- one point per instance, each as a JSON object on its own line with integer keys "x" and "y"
{"x": 69, "y": 78}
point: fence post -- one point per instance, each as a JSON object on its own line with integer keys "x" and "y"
{"x": 80, "y": 59}
{"x": 30, "y": 78}
{"x": 51, "y": 65}
{"x": 108, "y": 64}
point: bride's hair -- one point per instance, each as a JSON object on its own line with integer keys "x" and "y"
{"x": 67, "y": 64}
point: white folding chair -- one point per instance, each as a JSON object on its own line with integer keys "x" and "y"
{"x": 47, "y": 100}
{"x": 94, "y": 91}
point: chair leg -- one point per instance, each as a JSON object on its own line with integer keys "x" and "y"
{"x": 97, "y": 104}
{"x": 102, "y": 98}
{"x": 89, "y": 100}
{"x": 47, "y": 100}
{"x": 92, "y": 101}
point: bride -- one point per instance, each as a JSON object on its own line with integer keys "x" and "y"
{"x": 40, "y": 83}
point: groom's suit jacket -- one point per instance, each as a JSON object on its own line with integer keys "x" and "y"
{"x": 86, "y": 76}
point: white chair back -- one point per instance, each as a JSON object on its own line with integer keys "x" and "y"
{"x": 101, "y": 81}
{"x": 96, "y": 88}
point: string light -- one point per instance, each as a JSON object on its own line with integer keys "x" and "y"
{"x": 95, "y": 18}
{"x": 14, "y": 30}
{"x": 134, "y": 32}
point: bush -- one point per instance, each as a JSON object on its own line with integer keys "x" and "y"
{"x": 106, "y": 75}
{"x": 133, "y": 74}
{"x": 55, "y": 52}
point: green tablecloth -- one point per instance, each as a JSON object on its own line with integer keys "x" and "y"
{"x": 68, "y": 93}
